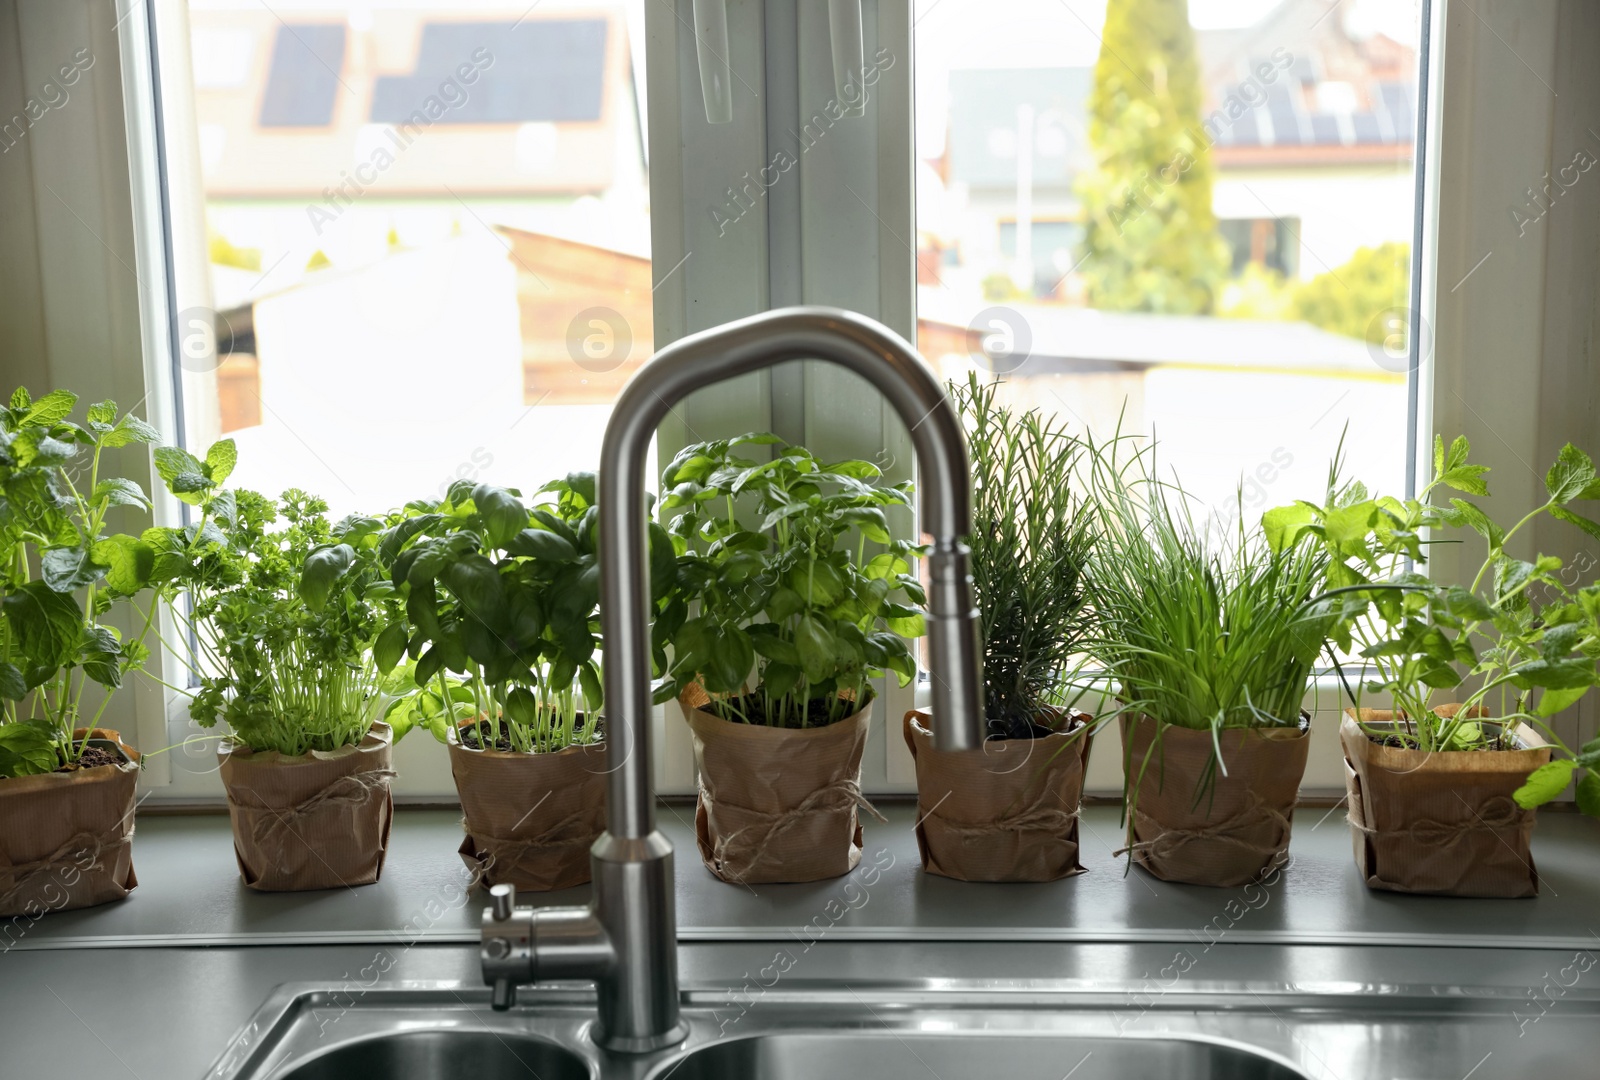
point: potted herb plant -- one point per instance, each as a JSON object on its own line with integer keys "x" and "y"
{"x": 1211, "y": 637}
{"x": 66, "y": 784}
{"x": 1010, "y": 811}
{"x": 791, "y": 598}
{"x": 279, "y": 609}
{"x": 501, "y": 624}
{"x": 1442, "y": 793}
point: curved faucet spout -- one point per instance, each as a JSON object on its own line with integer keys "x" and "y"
{"x": 884, "y": 359}
{"x": 627, "y": 941}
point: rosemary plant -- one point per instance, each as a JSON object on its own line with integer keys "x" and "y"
{"x": 1030, "y": 545}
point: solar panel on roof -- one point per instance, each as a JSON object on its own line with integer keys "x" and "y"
{"x": 1367, "y": 128}
{"x": 303, "y": 77}
{"x": 550, "y": 70}
{"x": 1324, "y": 130}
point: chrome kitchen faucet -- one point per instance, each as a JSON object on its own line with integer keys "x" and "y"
{"x": 626, "y": 939}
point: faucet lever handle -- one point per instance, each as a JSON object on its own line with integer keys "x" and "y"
{"x": 503, "y": 899}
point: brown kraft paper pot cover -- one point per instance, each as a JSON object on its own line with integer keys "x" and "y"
{"x": 1008, "y": 812}
{"x": 317, "y": 821}
{"x": 1239, "y": 828}
{"x": 66, "y": 839}
{"x": 777, "y": 804}
{"x": 530, "y": 819}
{"x": 1441, "y": 823}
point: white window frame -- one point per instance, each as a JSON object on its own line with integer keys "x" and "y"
{"x": 789, "y": 250}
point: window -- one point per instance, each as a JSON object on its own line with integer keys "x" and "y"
{"x": 1208, "y": 225}
{"x": 418, "y": 242}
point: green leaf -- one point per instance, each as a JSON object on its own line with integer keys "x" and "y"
{"x": 46, "y": 624}
{"x": 1467, "y": 605}
{"x": 12, "y": 685}
{"x": 589, "y": 679}
{"x": 324, "y": 566}
{"x": 541, "y": 544}
{"x": 27, "y": 749}
{"x": 1472, "y": 517}
{"x": 51, "y": 409}
{"x": 816, "y": 646}
{"x": 911, "y": 626}
{"x": 66, "y": 569}
{"x": 1555, "y": 674}
{"x": 1570, "y": 476}
{"x": 221, "y": 459}
{"x": 731, "y": 659}
{"x": 502, "y": 513}
{"x": 1348, "y": 525}
{"x": 390, "y": 647}
{"x": 131, "y": 429}
{"x": 1589, "y": 794}
{"x": 1284, "y": 524}
{"x": 1544, "y": 784}
{"x": 1561, "y": 513}
{"x": 120, "y": 491}
{"x": 130, "y": 562}
{"x": 184, "y": 476}
{"x": 1554, "y": 701}
{"x": 775, "y": 648}
{"x": 20, "y": 398}
{"x": 103, "y": 416}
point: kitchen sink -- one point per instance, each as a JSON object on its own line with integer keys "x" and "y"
{"x": 443, "y": 1055}
{"x": 892, "y": 1055}
{"x": 921, "y": 1029}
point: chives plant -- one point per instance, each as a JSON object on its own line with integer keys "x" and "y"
{"x": 1202, "y": 628}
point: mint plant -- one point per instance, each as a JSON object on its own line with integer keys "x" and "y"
{"x": 1518, "y": 643}
{"x": 770, "y": 579}
{"x": 63, "y": 571}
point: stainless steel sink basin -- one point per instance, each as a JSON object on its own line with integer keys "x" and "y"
{"x": 446, "y": 1031}
{"x": 443, "y": 1055}
{"x": 892, "y": 1055}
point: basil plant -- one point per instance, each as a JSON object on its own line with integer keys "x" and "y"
{"x": 775, "y": 576}
{"x": 498, "y": 615}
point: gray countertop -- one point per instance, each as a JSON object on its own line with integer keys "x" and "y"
{"x": 189, "y": 894}
{"x": 156, "y": 986}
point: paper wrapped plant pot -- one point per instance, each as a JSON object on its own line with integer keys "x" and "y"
{"x": 1442, "y": 823}
{"x": 317, "y": 821}
{"x": 777, "y": 804}
{"x": 66, "y": 838}
{"x": 530, "y": 819}
{"x": 1193, "y": 824}
{"x": 1007, "y": 812}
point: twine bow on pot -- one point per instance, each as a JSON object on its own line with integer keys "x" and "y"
{"x": 1170, "y": 840}
{"x": 1035, "y": 818}
{"x": 508, "y": 853}
{"x": 747, "y": 846}
{"x": 352, "y": 790}
{"x": 1497, "y": 813}
{"x": 23, "y": 875}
